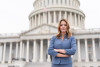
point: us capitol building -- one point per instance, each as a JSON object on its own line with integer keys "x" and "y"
{"x": 31, "y": 46}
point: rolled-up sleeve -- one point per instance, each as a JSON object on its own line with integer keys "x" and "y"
{"x": 51, "y": 48}
{"x": 73, "y": 47}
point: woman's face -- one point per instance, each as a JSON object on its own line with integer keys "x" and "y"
{"x": 63, "y": 26}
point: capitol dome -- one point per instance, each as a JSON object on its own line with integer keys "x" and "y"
{"x": 51, "y": 11}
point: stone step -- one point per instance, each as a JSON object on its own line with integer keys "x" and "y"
{"x": 44, "y": 64}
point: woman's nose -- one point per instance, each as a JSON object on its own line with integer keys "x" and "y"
{"x": 63, "y": 26}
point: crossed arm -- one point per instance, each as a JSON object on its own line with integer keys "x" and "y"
{"x": 61, "y": 53}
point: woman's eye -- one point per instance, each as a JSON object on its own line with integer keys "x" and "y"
{"x": 63, "y": 25}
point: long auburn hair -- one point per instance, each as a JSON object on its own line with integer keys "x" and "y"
{"x": 68, "y": 33}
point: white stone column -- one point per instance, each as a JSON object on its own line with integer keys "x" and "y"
{"x": 41, "y": 50}
{"x": 59, "y": 2}
{"x": 67, "y": 2}
{"x": 78, "y": 20}
{"x": 41, "y": 16}
{"x": 70, "y": 21}
{"x": 42, "y": 3}
{"x": 31, "y": 22}
{"x": 46, "y": 2}
{"x": 59, "y": 15}
{"x": 81, "y": 21}
{"x": 4, "y": 52}
{"x": 75, "y": 19}
{"x": 44, "y": 17}
{"x": 49, "y": 18}
{"x": 10, "y": 53}
{"x": 50, "y": 2}
{"x": 23, "y": 50}
{"x": 27, "y": 51}
{"x": 70, "y": 2}
{"x": 79, "y": 54}
{"x": 1, "y": 50}
{"x": 34, "y": 55}
{"x": 33, "y": 52}
{"x": 48, "y": 58}
{"x": 20, "y": 50}
{"x": 39, "y": 4}
{"x": 54, "y": 17}
{"x": 94, "y": 53}
{"x": 39, "y": 19}
{"x": 16, "y": 50}
{"x": 35, "y": 21}
{"x": 63, "y": 2}
{"x": 55, "y": 2}
{"x": 86, "y": 51}
{"x": 65, "y": 15}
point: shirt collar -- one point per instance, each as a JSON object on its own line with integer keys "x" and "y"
{"x": 64, "y": 35}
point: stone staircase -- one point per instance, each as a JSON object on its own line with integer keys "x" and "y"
{"x": 31, "y": 64}
{"x": 25, "y": 64}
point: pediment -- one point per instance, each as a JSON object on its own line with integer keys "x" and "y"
{"x": 42, "y": 29}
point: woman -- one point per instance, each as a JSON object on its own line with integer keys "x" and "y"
{"x": 62, "y": 46}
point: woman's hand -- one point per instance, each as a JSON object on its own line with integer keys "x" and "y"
{"x": 60, "y": 50}
{"x": 62, "y": 55}
{"x": 67, "y": 55}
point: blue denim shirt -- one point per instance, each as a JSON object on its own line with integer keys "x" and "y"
{"x": 69, "y": 45}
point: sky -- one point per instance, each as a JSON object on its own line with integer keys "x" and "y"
{"x": 14, "y": 15}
